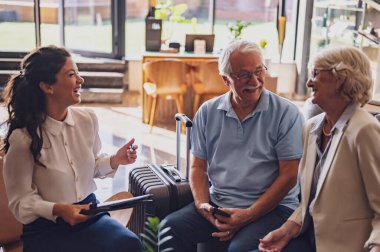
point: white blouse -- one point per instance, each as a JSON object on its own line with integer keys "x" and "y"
{"x": 70, "y": 155}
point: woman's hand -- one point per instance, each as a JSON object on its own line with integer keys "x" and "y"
{"x": 125, "y": 155}
{"x": 70, "y": 213}
{"x": 375, "y": 248}
{"x": 276, "y": 240}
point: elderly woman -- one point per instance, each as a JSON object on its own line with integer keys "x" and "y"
{"x": 340, "y": 169}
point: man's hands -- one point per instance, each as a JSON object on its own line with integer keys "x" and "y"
{"x": 276, "y": 240}
{"x": 70, "y": 213}
{"x": 125, "y": 155}
{"x": 205, "y": 209}
{"x": 228, "y": 226}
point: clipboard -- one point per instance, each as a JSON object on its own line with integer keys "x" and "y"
{"x": 116, "y": 205}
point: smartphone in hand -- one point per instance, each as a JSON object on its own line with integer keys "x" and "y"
{"x": 217, "y": 210}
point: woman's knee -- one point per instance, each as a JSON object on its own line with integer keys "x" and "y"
{"x": 134, "y": 243}
{"x": 128, "y": 241}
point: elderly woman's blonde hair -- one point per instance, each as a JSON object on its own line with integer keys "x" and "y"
{"x": 351, "y": 65}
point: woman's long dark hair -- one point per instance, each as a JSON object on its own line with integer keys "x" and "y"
{"x": 25, "y": 101}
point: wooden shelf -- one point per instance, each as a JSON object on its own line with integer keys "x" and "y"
{"x": 348, "y": 6}
{"x": 373, "y": 4}
{"x": 371, "y": 37}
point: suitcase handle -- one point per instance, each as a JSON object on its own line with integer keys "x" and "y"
{"x": 171, "y": 171}
{"x": 183, "y": 118}
{"x": 188, "y": 123}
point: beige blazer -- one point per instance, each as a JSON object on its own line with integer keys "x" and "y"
{"x": 347, "y": 207}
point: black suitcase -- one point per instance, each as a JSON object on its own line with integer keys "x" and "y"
{"x": 170, "y": 191}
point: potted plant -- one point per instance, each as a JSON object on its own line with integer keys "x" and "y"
{"x": 150, "y": 235}
{"x": 236, "y": 28}
{"x": 167, "y": 11}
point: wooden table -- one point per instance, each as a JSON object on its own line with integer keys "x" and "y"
{"x": 165, "y": 110}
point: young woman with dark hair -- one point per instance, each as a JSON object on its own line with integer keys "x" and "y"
{"x": 52, "y": 157}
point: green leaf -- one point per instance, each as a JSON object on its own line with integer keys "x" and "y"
{"x": 165, "y": 230}
{"x": 237, "y": 27}
{"x": 167, "y": 249}
{"x": 150, "y": 233}
{"x": 148, "y": 240}
{"x": 166, "y": 10}
{"x": 179, "y": 9}
{"x": 165, "y": 239}
{"x": 161, "y": 14}
{"x": 164, "y": 4}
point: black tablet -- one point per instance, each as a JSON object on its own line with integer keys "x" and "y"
{"x": 116, "y": 205}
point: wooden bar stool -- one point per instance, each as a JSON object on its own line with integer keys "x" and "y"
{"x": 210, "y": 83}
{"x": 166, "y": 79}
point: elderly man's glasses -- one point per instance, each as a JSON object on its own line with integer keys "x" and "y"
{"x": 246, "y": 76}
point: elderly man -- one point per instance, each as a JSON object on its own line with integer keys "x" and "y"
{"x": 246, "y": 146}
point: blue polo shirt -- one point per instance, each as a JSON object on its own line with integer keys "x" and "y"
{"x": 243, "y": 156}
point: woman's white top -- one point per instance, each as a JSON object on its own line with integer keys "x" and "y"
{"x": 70, "y": 161}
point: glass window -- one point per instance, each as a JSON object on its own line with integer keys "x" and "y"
{"x": 335, "y": 24}
{"x": 262, "y": 18}
{"x": 17, "y": 26}
{"x": 135, "y": 27}
{"x": 194, "y": 19}
{"x": 88, "y": 25}
{"x": 49, "y": 22}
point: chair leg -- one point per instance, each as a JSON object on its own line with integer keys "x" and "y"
{"x": 148, "y": 109}
{"x": 197, "y": 98}
{"x": 153, "y": 112}
{"x": 180, "y": 97}
{"x": 123, "y": 216}
{"x": 179, "y": 103}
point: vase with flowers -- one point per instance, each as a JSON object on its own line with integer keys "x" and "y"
{"x": 171, "y": 13}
